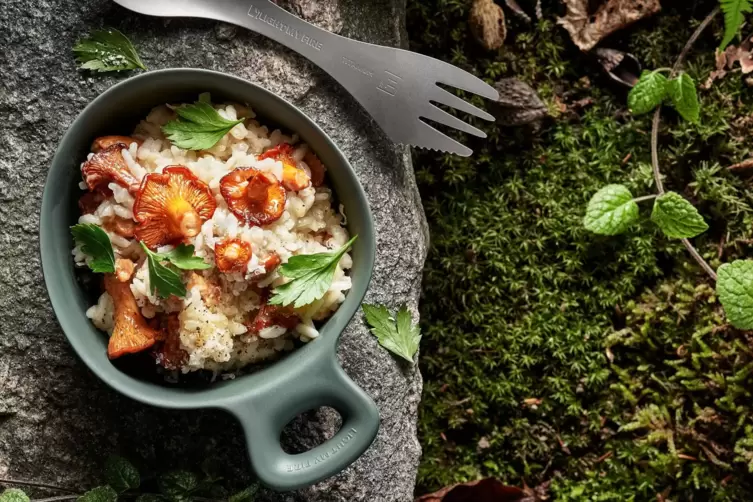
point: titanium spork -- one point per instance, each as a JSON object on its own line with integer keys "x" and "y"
{"x": 397, "y": 87}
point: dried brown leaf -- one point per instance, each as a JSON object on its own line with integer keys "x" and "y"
{"x": 725, "y": 61}
{"x": 518, "y": 103}
{"x": 483, "y": 490}
{"x": 532, "y": 401}
{"x": 621, "y": 66}
{"x": 586, "y": 29}
{"x": 487, "y": 23}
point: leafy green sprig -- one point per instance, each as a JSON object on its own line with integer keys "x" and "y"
{"x": 198, "y": 126}
{"x": 107, "y": 50}
{"x": 122, "y": 481}
{"x": 397, "y": 334}
{"x": 311, "y": 276}
{"x": 96, "y": 243}
{"x": 165, "y": 280}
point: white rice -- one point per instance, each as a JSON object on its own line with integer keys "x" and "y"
{"x": 214, "y": 335}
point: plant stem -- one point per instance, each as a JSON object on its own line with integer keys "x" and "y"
{"x": 34, "y": 484}
{"x": 692, "y": 39}
{"x": 645, "y": 197}
{"x": 655, "y": 137}
{"x": 59, "y": 497}
{"x": 697, "y": 256}
{"x": 655, "y": 151}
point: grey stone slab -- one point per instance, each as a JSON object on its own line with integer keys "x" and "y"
{"x": 57, "y": 420}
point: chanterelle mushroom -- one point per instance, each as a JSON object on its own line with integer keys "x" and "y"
{"x": 106, "y": 166}
{"x": 106, "y": 141}
{"x": 232, "y": 255}
{"x": 255, "y": 197}
{"x": 316, "y": 167}
{"x": 171, "y": 206}
{"x": 131, "y": 332}
{"x": 292, "y": 178}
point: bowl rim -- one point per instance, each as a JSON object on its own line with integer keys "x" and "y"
{"x": 216, "y": 394}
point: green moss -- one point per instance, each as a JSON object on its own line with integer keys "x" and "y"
{"x": 521, "y": 304}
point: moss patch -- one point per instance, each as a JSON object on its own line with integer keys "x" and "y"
{"x": 601, "y": 364}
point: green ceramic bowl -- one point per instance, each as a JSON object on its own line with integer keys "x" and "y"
{"x": 265, "y": 401}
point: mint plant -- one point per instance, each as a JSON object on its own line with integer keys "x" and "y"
{"x": 613, "y": 209}
{"x": 653, "y": 89}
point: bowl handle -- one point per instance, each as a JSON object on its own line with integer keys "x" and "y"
{"x": 265, "y": 414}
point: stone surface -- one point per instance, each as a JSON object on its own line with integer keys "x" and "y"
{"x": 57, "y": 420}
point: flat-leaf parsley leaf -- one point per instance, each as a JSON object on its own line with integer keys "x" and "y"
{"x": 164, "y": 280}
{"x": 95, "y": 243}
{"x": 198, "y": 126}
{"x": 183, "y": 258}
{"x": 107, "y": 50}
{"x": 311, "y": 276}
{"x": 399, "y": 335}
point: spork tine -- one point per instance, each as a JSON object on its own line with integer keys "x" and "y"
{"x": 397, "y": 87}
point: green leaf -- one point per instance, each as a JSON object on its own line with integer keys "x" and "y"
{"x": 610, "y": 211}
{"x": 212, "y": 468}
{"x": 164, "y": 280}
{"x": 734, "y": 285}
{"x": 734, "y": 15}
{"x": 95, "y": 243}
{"x": 183, "y": 258}
{"x": 684, "y": 98}
{"x": 13, "y": 495}
{"x": 648, "y": 92}
{"x": 247, "y": 495}
{"x": 400, "y": 336}
{"x": 677, "y": 217}
{"x": 311, "y": 277}
{"x": 198, "y": 126}
{"x": 107, "y": 50}
{"x": 99, "y": 494}
{"x": 177, "y": 485}
{"x": 149, "y": 497}
{"x": 121, "y": 474}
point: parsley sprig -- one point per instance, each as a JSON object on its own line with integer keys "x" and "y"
{"x": 398, "y": 335}
{"x": 311, "y": 276}
{"x": 198, "y": 126}
{"x": 165, "y": 280}
{"x": 107, "y": 50}
{"x": 95, "y": 242}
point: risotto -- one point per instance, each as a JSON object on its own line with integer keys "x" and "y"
{"x": 224, "y": 220}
